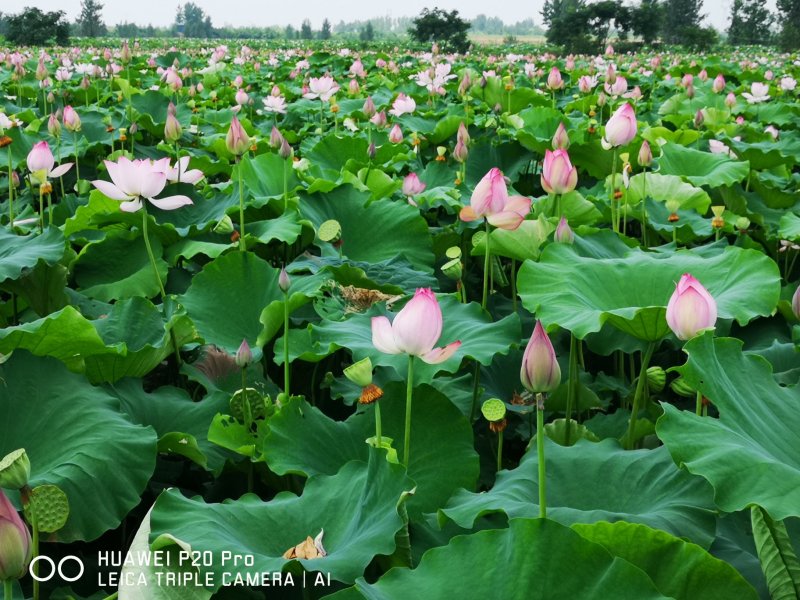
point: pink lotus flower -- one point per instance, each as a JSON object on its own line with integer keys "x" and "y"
{"x": 396, "y": 134}
{"x": 41, "y": 162}
{"x": 412, "y": 185}
{"x": 560, "y": 138}
{"x": 554, "y": 80}
{"x": 730, "y": 100}
{"x": 15, "y": 542}
{"x": 415, "y": 330}
{"x": 645, "y": 158}
{"x": 133, "y": 180}
{"x": 540, "y": 373}
{"x": 558, "y": 174}
{"x": 403, "y": 105}
{"x": 180, "y": 172}
{"x": 490, "y": 199}
{"x": 796, "y": 303}
{"x": 759, "y": 92}
{"x": 564, "y": 233}
{"x": 357, "y": 69}
{"x": 621, "y": 127}
{"x": 719, "y": 84}
{"x": 72, "y": 122}
{"x": 619, "y": 87}
{"x": 241, "y": 97}
{"x": 237, "y": 141}
{"x": 691, "y": 308}
{"x": 274, "y": 104}
{"x": 321, "y": 87}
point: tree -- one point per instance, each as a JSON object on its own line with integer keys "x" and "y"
{"x": 790, "y": 17}
{"x": 567, "y": 25}
{"x": 682, "y": 20}
{"x": 325, "y": 32}
{"x": 33, "y": 27}
{"x": 368, "y": 33}
{"x": 90, "y": 20}
{"x": 306, "y": 32}
{"x": 290, "y": 33}
{"x": 646, "y": 20}
{"x": 750, "y": 22}
{"x": 446, "y": 28}
{"x": 195, "y": 22}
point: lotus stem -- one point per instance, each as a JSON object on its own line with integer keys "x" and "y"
{"x": 614, "y": 214}
{"x": 151, "y": 255}
{"x": 378, "y": 428}
{"x": 540, "y": 455}
{"x": 514, "y": 285}
{"x": 10, "y": 193}
{"x": 486, "y": 270}
{"x": 286, "y": 369}
{"x": 409, "y": 393}
{"x": 698, "y": 409}
{"x": 572, "y": 386}
{"x": 637, "y": 397}
{"x": 9, "y": 592}
{"x": 499, "y": 451}
{"x": 41, "y": 209}
{"x": 644, "y": 208}
{"x": 77, "y": 166}
{"x": 242, "y": 246}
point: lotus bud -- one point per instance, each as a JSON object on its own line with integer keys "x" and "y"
{"x": 172, "y": 130}
{"x": 369, "y": 108}
{"x": 645, "y": 155}
{"x": 15, "y": 471}
{"x": 554, "y": 80}
{"x": 354, "y": 88}
{"x": 719, "y": 84}
{"x": 601, "y": 99}
{"x": 15, "y": 179}
{"x": 41, "y": 70}
{"x": 558, "y": 174}
{"x": 53, "y": 126}
{"x": 237, "y": 141}
{"x": 621, "y": 127}
{"x": 15, "y": 542}
{"x": 564, "y": 233}
{"x": 699, "y": 119}
{"x": 796, "y": 303}
{"x": 656, "y": 379}
{"x": 540, "y": 372}
{"x": 275, "y": 138}
{"x": 611, "y": 75}
{"x": 560, "y": 139}
{"x": 691, "y": 309}
{"x": 412, "y": 185}
{"x": 396, "y": 134}
{"x": 730, "y": 100}
{"x": 285, "y": 150}
{"x": 51, "y": 98}
{"x": 172, "y": 109}
{"x": 464, "y": 85}
{"x": 244, "y": 356}
{"x": 125, "y": 53}
{"x": 690, "y": 91}
{"x": 463, "y": 134}
{"x": 379, "y": 119}
{"x": 372, "y": 151}
{"x": 460, "y": 153}
{"x": 742, "y": 223}
{"x": 72, "y": 122}
{"x": 283, "y": 281}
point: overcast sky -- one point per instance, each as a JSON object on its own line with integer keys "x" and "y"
{"x": 272, "y": 12}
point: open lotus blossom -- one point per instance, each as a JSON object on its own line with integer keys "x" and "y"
{"x": 403, "y": 105}
{"x": 490, "y": 199}
{"x": 558, "y": 174}
{"x": 788, "y": 83}
{"x": 759, "y": 92}
{"x": 133, "y": 180}
{"x": 691, "y": 309}
{"x": 540, "y": 372}
{"x": 415, "y": 330}
{"x": 275, "y": 104}
{"x": 180, "y": 172}
{"x": 41, "y": 164}
{"x": 321, "y": 87}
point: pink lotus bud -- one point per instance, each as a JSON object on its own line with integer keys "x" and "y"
{"x": 125, "y": 53}
{"x": 72, "y": 122}
{"x": 53, "y": 126}
{"x": 463, "y": 134}
{"x": 570, "y": 64}
{"x": 379, "y": 119}
{"x": 796, "y": 303}
{"x": 740, "y": 120}
{"x": 238, "y": 82}
{"x": 770, "y": 129}
{"x": 645, "y": 155}
{"x": 372, "y": 151}
{"x": 564, "y": 233}
{"x": 464, "y": 85}
{"x": 354, "y": 88}
{"x": 702, "y": 75}
{"x": 490, "y": 200}
{"x": 396, "y": 134}
{"x": 412, "y": 185}
{"x": 15, "y": 542}
{"x": 769, "y": 75}
{"x": 172, "y": 130}
{"x": 730, "y": 100}
{"x": 690, "y": 91}
{"x": 275, "y": 138}
{"x": 621, "y": 127}
{"x": 461, "y": 153}
{"x": 560, "y": 139}
{"x": 244, "y": 356}
{"x": 699, "y": 119}
{"x": 51, "y": 98}
{"x": 285, "y": 151}
{"x": 415, "y": 330}
{"x": 40, "y": 158}
{"x": 15, "y": 179}
{"x": 691, "y": 308}
{"x": 540, "y": 373}
{"x": 609, "y": 50}
{"x": 237, "y": 140}
{"x": 601, "y": 99}
{"x": 241, "y": 97}
{"x": 687, "y": 80}
{"x": 554, "y": 80}
{"x": 558, "y": 174}
{"x": 719, "y": 84}
{"x": 369, "y": 108}
{"x": 172, "y": 109}
{"x": 283, "y": 281}
{"x": 200, "y": 87}
{"x": 41, "y": 70}
{"x": 611, "y": 75}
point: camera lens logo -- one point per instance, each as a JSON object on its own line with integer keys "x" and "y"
{"x": 56, "y": 568}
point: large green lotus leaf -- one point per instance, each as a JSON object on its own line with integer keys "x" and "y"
{"x": 118, "y": 267}
{"x": 263, "y": 176}
{"x": 533, "y": 558}
{"x": 541, "y": 123}
{"x": 790, "y": 227}
{"x": 443, "y": 459}
{"x": 667, "y": 187}
{"x": 181, "y": 424}
{"x": 480, "y": 338}
{"x": 701, "y": 168}
{"x": 333, "y": 153}
{"x": 680, "y": 569}
{"x": 372, "y": 232}
{"x": 640, "y": 486}
{"x": 19, "y": 253}
{"x": 76, "y": 438}
{"x": 357, "y": 508}
{"x": 767, "y": 154}
{"x": 562, "y": 288}
{"x": 510, "y": 157}
{"x": 227, "y": 298}
{"x": 749, "y": 455}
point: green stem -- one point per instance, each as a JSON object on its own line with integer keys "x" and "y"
{"x": 113, "y": 596}
{"x": 637, "y": 397}
{"x": 10, "y": 193}
{"x": 644, "y": 208}
{"x": 151, "y": 255}
{"x": 486, "y": 270}
{"x": 409, "y": 391}
{"x": 242, "y": 246}
{"x": 77, "y": 166}
{"x": 286, "y": 185}
{"x": 286, "y": 369}
{"x": 476, "y": 381}
{"x": 378, "y": 429}
{"x": 540, "y": 455}
{"x": 499, "y": 451}
{"x": 35, "y": 551}
{"x": 9, "y": 591}
{"x": 572, "y": 385}
{"x": 698, "y": 409}
{"x": 50, "y": 208}
{"x": 614, "y": 215}
{"x": 41, "y": 209}
{"x": 514, "y": 285}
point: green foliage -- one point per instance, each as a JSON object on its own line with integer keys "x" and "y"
{"x": 325, "y": 32}
{"x": 33, "y": 27}
{"x": 90, "y": 20}
{"x": 306, "y": 33}
{"x": 581, "y": 27}
{"x": 789, "y": 17}
{"x": 751, "y": 23}
{"x": 446, "y": 28}
{"x": 192, "y": 21}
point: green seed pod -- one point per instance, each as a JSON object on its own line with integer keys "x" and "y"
{"x": 656, "y": 378}
{"x": 15, "y": 470}
{"x": 680, "y": 387}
